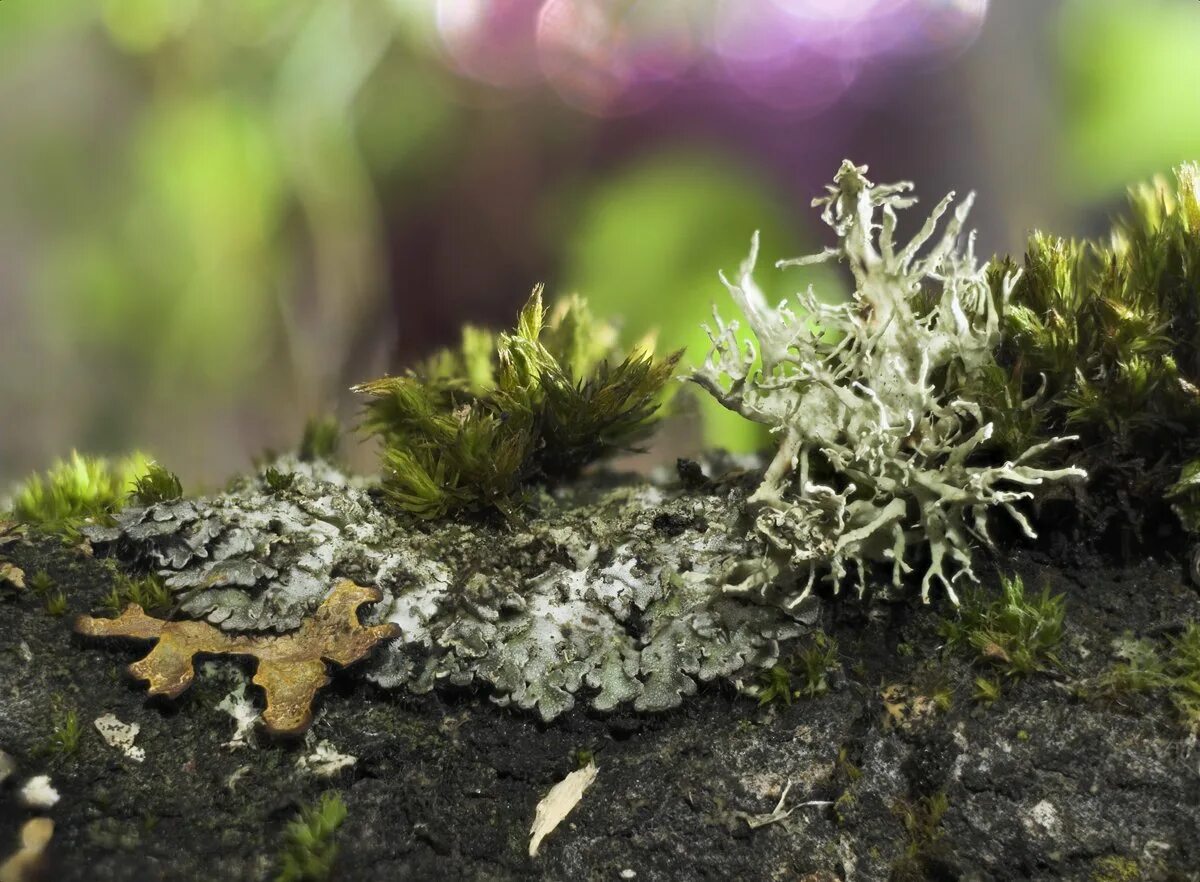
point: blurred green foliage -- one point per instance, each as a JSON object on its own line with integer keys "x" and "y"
{"x": 201, "y": 200}
{"x": 1130, "y": 81}
{"x": 78, "y": 489}
{"x": 651, "y": 240}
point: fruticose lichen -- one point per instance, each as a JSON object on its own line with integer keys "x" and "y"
{"x": 867, "y": 398}
{"x": 612, "y": 594}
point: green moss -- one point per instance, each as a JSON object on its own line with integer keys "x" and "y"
{"x": 987, "y": 691}
{"x": 1102, "y": 340}
{"x": 277, "y": 481}
{"x": 1176, "y": 674}
{"x": 56, "y": 604}
{"x": 803, "y": 674}
{"x": 1113, "y": 868}
{"x": 309, "y": 848}
{"x": 1014, "y": 633}
{"x": 148, "y": 592}
{"x": 76, "y": 490}
{"x": 40, "y": 583}
{"x": 922, "y": 822}
{"x": 64, "y": 737}
{"x": 775, "y": 685}
{"x": 321, "y": 440}
{"x": 157, "y": 485}
{"x": 469, "y": 427}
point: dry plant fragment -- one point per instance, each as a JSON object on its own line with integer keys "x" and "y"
{"x": 10, "y": 531}
{"x": 12, "y": 575}
{"x": 291, "y": 667}
{"x": 23, "y": 865}
{"x": 558, "y": 803}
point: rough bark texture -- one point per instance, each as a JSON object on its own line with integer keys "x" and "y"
{"x": 1047, "y": 783}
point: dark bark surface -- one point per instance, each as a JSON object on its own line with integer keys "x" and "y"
{"x": 1050, "y": 782}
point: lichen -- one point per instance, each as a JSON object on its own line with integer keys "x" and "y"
{"x": 291, "y": 668}
{"x": 609, "y": 594}
{"x": 866, "y": 397}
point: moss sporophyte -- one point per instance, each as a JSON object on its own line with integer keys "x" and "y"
{"x": 942, "y": 392}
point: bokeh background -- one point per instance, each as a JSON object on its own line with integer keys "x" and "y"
{"x": 216, "y": 215}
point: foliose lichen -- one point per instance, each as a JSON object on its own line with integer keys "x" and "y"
{"x": 876, "y": 436}
{"x": 607, "y": 592}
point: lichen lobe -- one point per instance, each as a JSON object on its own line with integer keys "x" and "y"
{"x": 291, "y": 667}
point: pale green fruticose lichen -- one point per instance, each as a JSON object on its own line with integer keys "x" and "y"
{"x": 608, "y": 590}
{"x": 875, "y": 436}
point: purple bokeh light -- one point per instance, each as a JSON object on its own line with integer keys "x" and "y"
{"x": 610, "y": 58}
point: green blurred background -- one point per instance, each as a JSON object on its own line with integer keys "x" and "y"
{"x": 217, "y": 216}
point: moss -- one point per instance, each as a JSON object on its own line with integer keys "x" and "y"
{"x": 1102, "y": 340}
{"x": 63, "y": 739}
{"x": 40, "y": 583}
{"x": 148, "y": 592}
{"x": 278, "y": 481}
{"x": 77, "y": 490}
{"x": 469, "y": 427}
{"x": 56, "y": 604}
{"x": 321, "y": 439}
{"x": 158, "y": 484}
{"x": 1015, "y": 633}
{"x": 922, "y": 822}
{"x": 987, "y": 691}
{"x": 1176, "y": 674}
{"x": 309, "y": 848}
{"x": 1114, "y": 868}
{"x": 803, "y": 674}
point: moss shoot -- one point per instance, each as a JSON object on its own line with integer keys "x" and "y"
{"x": 469, "y": 427}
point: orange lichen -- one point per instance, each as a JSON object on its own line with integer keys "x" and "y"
{"x": 24, "y": 864}
{"x": 291, "y": 667}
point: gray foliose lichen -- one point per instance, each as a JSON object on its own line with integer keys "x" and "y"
{"x": 610, "y": 591}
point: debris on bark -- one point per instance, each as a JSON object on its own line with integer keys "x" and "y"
{"x": 12, "y": 575}
{"x": 120, "y": 735}
{"x": 39, "y": 793}
{"x": 558, "y": 803}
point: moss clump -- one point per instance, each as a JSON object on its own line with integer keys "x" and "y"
{"x": 157, "y": 485}
{"x": 804, "y": 674}
{"x": 148, "y": 592}
{"x": 76, "y": 490}
{"x": 64, "y": 737}
{"x": 1014, "y": 633}
{"x": 309, "y": 848}
{"x": 922, "y": 821}
{"x": 1177, "y": 675}
{"x": 470, "y": 426}
{"x": 321, "y": 440}
{"x": 1114, "y": 868}
{"x": 1101, "y": 339}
